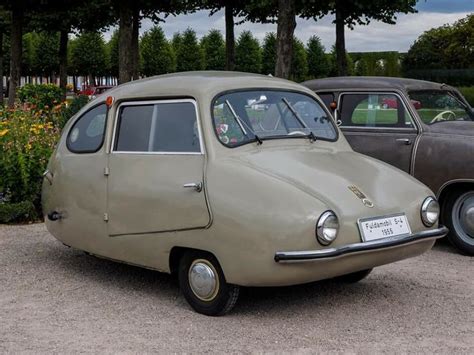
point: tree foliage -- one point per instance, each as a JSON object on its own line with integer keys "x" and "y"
{"x": 318, "y": 65}
{"x": 189, "y": 55}
{"x": 213, "y": 47}
{"x": 248, "y": 57}
{"x": 445, "y": 47}
{"x": 156, "y": 53}
{"x": 88, "y": 54}
{"x": 299, "y": 62}
{"x": 269, "y": 53}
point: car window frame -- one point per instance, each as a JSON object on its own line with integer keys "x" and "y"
{"x": 311, "y": 95}
{"x": 153, "y": 102}
{"x": 413, "y": 119}
{"x": 91, "y": 151}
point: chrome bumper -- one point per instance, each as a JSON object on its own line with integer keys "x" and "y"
{"x": 309, "y": 255}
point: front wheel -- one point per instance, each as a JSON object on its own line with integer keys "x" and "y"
{"x": 203, "y": 284}
{"x": 458, "y": 216}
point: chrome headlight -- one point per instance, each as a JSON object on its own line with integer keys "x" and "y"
{"x": 327, "y": 228}
{"x": 429, "y": 211}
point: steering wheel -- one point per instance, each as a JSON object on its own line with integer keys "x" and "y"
{"x": 444, "y": 116}
{"x": 297, "y": 132}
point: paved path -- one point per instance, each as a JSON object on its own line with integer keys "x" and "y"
{"x": 55, "y": 299}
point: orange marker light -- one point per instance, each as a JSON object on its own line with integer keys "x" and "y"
{"x": 109, "y": 101}
{"x": 333, "y": 105}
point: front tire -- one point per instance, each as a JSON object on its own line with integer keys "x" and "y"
{"x": 203, "y": 284}
{"x": 458, "y": 216}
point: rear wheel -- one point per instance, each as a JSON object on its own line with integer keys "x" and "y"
{"x": 458, "y": 215}
{"x": 203, "y": 284}
{"x": 354, "y": 277}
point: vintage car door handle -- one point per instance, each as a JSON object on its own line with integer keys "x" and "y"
{"x": 405, "y": 141}
{"x": 193, "y": 185}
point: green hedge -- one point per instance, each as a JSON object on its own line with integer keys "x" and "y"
{"x": 17, "y": 212}
{"x": 40, "y": 96}
{"x": 454, "y": 77}
{"x": 468, "y": 93}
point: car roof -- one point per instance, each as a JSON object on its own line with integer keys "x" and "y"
{"x": 197, "y": 84}
{"x": 373, "y": 82}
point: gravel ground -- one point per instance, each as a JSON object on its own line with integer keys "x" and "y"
{"x": 55, "y": 299}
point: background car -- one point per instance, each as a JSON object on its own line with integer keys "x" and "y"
{"x": 425, "y": 129}
{"x": 94, "y": 91}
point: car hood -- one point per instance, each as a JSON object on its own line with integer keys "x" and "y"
{"x": 335, "y": 177}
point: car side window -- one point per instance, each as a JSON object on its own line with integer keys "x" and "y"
{"x": 167, "y": 127}
{"x": 87, "y": 133}
{"x": 374, "y": 110}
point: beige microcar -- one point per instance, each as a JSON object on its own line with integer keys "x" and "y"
{"x": 228, "y": 180}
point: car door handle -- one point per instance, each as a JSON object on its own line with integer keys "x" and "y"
{"x": 405, "y": 141}
{"x": 193, "y": 185}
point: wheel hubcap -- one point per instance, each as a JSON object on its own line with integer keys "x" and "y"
{"x": 463, "y": 217}
{"x": 203, "y": 279}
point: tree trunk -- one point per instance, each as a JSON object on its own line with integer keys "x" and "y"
{"x": 341, "y": 59}
{"x": 16, "y": 51}
{"x": 135, "y": 51}
{"x": 63, "y": 40}
{"x": 125, "y": 41}
{"x": 285, "y": 29}
{"x": 229, "y": 38}
{"x": 1, "y": 69}
{"x": 74, "y": 83}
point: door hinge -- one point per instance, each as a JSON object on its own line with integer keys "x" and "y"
{"x": 106, "y": 217}
{"x": 106, "y": 171}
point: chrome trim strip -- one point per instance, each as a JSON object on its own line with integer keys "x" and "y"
{"x": 329, "y": 253}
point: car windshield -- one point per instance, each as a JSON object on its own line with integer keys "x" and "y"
{"x": 248, "y": 116}
{"x": 440, "y": 106}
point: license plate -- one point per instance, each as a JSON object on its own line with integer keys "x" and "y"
{"x": 383, "y": 227}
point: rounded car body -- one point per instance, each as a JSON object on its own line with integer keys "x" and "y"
{"x": 224, "y": 178}
{"x": 423, "y": 128}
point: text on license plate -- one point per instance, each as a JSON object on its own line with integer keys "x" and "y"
{"x": 383, "y": 227}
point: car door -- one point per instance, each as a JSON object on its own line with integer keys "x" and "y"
{"x": 378, "y": 124}
{"x": 78, "y": 189}
{"x": 156, "y": 169}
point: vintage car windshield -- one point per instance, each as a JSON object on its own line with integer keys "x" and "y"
{"x": 247, "y": 116}
{"x": 440, "y": 106}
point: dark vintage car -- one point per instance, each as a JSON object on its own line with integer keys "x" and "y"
{"x": 433, "y": 140}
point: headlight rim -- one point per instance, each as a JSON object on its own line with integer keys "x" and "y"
{"x": 320, "y": 227}
{"x": 424, "y": 209}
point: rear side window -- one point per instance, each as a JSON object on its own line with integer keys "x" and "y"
{"x": 374, "y": 110}
{"x": 169, "y": 127}
{"x": 87, "y": 133}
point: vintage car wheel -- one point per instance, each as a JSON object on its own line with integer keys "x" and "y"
{"x": 354, "y": 276}
{"x": 204, "y": 286}
{"x": 459, "y": 218}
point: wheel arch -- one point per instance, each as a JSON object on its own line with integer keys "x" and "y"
{"x": 454, "y": 185}
{"x": 177, "y": 252}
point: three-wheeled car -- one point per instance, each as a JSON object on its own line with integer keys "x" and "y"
{"x": 229, "y": 179}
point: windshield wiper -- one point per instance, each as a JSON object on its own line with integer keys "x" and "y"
{"x": 241, "y": 123}
{"x": 311, "y": 135}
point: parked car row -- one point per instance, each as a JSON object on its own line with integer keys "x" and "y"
{"x": 230, "y": 179}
